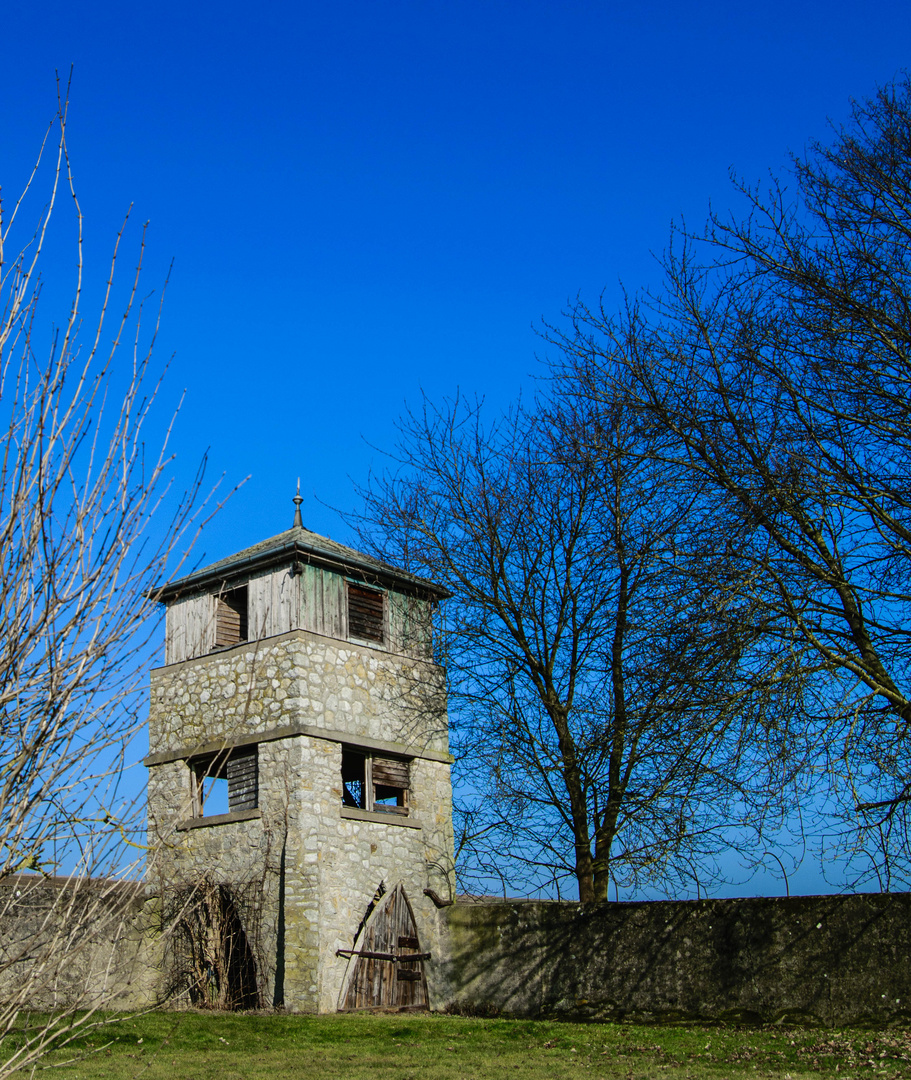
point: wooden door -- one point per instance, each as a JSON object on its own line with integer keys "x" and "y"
{"x": 386, "y": 965}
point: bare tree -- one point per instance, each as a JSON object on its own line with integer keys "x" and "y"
{"x": 88, "y": 525}
{"x": 776, "y": 362}
{"x": 605, "y": 720}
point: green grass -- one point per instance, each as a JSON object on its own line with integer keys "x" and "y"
{"x": 197, "y": 1046}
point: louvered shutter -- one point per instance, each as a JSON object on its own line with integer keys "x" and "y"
{"x": 231, "y": 618}
{"x": 365, "y": 613}
{"x": 390, "y": 772}
{"x": 243, "y": 779}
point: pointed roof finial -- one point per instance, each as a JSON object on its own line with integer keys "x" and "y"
{"x": 297, "y": 500}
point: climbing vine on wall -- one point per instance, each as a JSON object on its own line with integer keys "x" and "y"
{"x": 213, "y": 959}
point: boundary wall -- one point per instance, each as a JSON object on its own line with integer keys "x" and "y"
{"x": 78, "y": 943}
{"x": 830, "y": 960}
{"x": 827, "y": 960}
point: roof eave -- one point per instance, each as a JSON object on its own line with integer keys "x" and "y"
{"x": 202, "y": 580}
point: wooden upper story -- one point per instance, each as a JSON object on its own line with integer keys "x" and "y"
{"x": 299, "y": 580}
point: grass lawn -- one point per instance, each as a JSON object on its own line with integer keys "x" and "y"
{"x": 232, "y": 1046}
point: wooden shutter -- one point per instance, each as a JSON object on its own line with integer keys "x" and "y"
{"x": 390, "y": 781}
{"x": 243, "y": 779}
{"x": 365, "y": 613}
{"x": 231, "y": 618}
{"x": 390, "y": 772}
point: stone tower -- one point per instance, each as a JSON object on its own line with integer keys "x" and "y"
{"x": 299, "y": 798}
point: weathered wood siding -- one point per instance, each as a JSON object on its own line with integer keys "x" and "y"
{"x": 323, "y": 603}
{"x": 410, "y": 623}
{"x": 274, "y": 604}
{"x": 190, "y": 629}
{"x": 279, "y": 601}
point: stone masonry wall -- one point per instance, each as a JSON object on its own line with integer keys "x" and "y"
{"x": 831, "y": 960}
{"x": 304, "y": 868}
{"x": 247, "y": 855}
{"x": 78, "y": 943}
{"x": 354, "y": 857}
{"x": 303, "y": 678}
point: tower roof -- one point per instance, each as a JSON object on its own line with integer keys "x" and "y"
{"x": 298, "y": 545}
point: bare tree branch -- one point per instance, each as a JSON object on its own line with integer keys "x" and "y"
{"x": 776, "y": 363}
{"x": 89, "y": 523}
{"x": 604, "y": 717}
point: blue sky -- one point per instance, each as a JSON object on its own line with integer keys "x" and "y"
{"x": 363, "y": 201}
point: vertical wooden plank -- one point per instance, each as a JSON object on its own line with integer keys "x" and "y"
{"x": 311, "y": 600}
{"x": 188, "y": 628}
{"x": 281, "y": 622}
{"x": 396, "y": 616}
{"x": 259, "y": 607}
{"x": 335, "y": 606}
{"x": 284, "y": 591}
{"x": 276, "y": 622}
{"x": 321, "y": 616}
{"x": 407, "y": 986}
{"x": 201, "y": 626}
{"x": 305, "y": 599}
{"x": 175, "y": 637}
{"x": 195, "y": 640}
{"x": 416, "y": 996}
{"x": 395, "y": 922}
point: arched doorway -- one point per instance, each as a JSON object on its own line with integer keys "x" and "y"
{"x": 386, "y": 965}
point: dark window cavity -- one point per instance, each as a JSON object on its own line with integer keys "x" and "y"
{"x": 354, "y": 779}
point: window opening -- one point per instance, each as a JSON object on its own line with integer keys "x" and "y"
{"x": 226, "y": 783}
{"x": 231, "y": 617}
{"x": 371, "y": 782}
{"x": 354, "y": 779}
{"x": 390, "y": 785}
{"x": 211, "y": 794}
{"x": 366, "y": 610}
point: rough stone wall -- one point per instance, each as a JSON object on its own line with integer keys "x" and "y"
{"x": 304, "y": 868}
{"x": 247, "y": 855}
{"x": 832, "y": 960}
{"x": 78, "y": 943}
{"x": 355, "y": 856}
{"x": 818, "y": 959}
{"x": 304, "y": 678}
